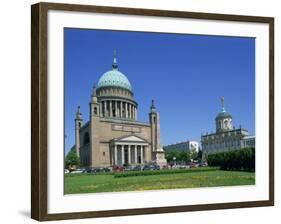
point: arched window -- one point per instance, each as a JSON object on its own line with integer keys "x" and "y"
{"x": 86, "y": 139}
{"x": 225, "y": 123}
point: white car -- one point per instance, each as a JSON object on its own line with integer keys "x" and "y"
{"x": 66, "y": 171}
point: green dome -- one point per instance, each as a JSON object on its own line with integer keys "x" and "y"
{"x": 114, "y": 78}
{"x": 223, "y": 114}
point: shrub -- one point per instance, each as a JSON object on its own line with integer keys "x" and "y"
{"x": 160, "y": 172}
{"x": 240, "y": 159}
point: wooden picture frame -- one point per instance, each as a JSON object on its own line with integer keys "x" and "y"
{"x": 39, "y": 109}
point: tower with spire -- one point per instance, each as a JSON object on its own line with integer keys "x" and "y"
{"x": 223, "y": 119}
{"x": 78, "y": 125}
{"x": 157, "y": 150}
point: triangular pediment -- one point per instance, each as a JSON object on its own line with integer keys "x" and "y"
{"x": 130, "y": 138}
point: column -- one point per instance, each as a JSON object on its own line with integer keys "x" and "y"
{"x": 114, "y": 108}
{"x": 110, "y": 108}
{"x": 136, "y": 113}
{"x": 117, "y": 109}
{"x": 126, "y": 110}
{"x": 141, "y": 151}
{"x": 136, "y": 154}
{"x": 121, "y": 109}
{"x": 112, "y": 156}
{"x": 105, "y": 109}
{"x": 115, "y": 154}
{"x": 133, "y": 112}
{"x": 144, "y": 154}
{"x": 123, "y": 154}
{"x": 129, "y": 154}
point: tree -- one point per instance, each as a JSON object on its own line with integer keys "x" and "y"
{"x": 199, "y": 157}
{"x": 169, "y": 155}
{"x": 193, "y": 154}
{"x": 72, "y": 159}
{"x": 184, "y": 157}
{"x": 239, "y": 159}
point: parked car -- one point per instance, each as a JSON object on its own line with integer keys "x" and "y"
{"x": 136, "y": 168}
{"x": 93, "y": 170}
{"x": 154, "y": 167}
{"x": 193, "y": 165}
{"x": 78, "y": 171}
{"x": 146, "y": 167}
{"x": 87, "y": 170}
{"x": 118, "y": 168}
{"x": 105, "y": 169}
{"x": 183, "y": 166}
{"x": 175, "y": 166}
{"x": 202, "y": 164}
{"x": 66, "y": 171}
{"x": 128, "y": 168}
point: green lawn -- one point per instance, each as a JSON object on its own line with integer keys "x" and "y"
{"x": 90, "y": 183}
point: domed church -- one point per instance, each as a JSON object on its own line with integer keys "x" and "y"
{"x": 113, "y": 135}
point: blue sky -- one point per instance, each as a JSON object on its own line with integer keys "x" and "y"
{"x": 186, "y": 75}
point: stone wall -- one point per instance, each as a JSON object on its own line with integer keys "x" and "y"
{"x": 108, "y": 129}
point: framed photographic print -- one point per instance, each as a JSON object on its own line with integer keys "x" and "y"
{"x": 101, "y": 79}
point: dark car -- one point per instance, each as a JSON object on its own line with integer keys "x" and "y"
{"x": 193, "y": 165}
{"x": 106, "y": 169}
{"x": 136, "y": 168}
{"x": 146, "y": 167}
{"x": 202, "y": 164}
{"x": 95, "y": 170}
{"x": 154, "y": 167}
{"x": 87, "y": 170}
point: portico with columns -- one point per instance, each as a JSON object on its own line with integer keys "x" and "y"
{"x": 129, "y": 150}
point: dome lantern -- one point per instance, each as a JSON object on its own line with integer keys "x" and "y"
{"x": 114, "y": 78}
{"x": 114, "y": 64}
{"x": 223, "y": 119}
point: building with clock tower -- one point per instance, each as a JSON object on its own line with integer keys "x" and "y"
{"x": 226, "y": 137}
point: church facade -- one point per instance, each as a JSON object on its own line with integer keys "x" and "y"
{"x": 113, "y": 135}
{"x": 226, "y": 137}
